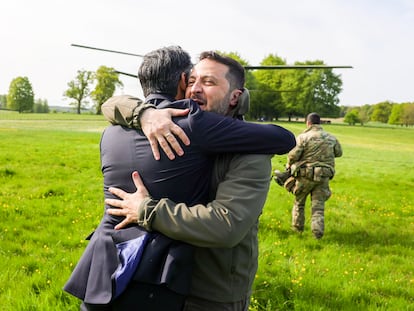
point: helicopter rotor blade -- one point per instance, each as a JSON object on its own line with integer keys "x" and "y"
{"x": 126, "y": 74}
{"x": 270, "y": 67}
{"x": 105, "y": 50}
{"x": 293, "y": 67}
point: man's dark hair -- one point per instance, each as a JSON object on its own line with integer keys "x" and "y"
{"x": 161, "y": 69}
{"x": 235, "y": 76}
{"x": 313, "y": 118}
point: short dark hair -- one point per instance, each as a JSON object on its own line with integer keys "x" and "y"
{"x": 313, "y": 118}
{"x": 161, "y": 69}
{"x": 235, "y": 76}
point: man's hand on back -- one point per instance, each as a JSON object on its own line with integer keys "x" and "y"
{"x": 160, "y": 129}
{"x": 129, "y": 204}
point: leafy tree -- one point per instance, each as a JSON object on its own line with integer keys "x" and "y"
{"x": 365, "y": 114}
{"x": 408, "y": 114}
{"x": 79, "y": 89}
{"x": 328, "y": 87}
{"x": 20, "y": 96}
{"x": 294, "y": 99}
{"x": 107, "y": 81}
{"x": 291, "y": 92}
{"x": 396, "y": 116}
{"x": 292, "y": 96}
{"x": 381, "y": 112}
{"x": 352, "y": 117}
{"x": 312, "y": 90}
{"x": 3, "y": 101}
{"x": 266, "y": 99}
{"x": 41, "y": 106}
{"x": 343, "y": 110}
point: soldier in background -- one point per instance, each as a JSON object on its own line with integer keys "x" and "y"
{"x": 312, "y": 164}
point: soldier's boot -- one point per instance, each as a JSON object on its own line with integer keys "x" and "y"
{"x": 281, "y": 177}
{"x": 318, "y": 223}
{"x": 298, "y": 218}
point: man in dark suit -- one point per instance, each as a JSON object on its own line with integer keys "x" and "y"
{"x": 163, "y": 75}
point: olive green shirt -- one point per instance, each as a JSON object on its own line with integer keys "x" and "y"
{"x": 224, "y": 231}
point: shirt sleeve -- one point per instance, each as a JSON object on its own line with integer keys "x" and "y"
{"x": 222, "y": 222}
{"x": 124, "y": 110}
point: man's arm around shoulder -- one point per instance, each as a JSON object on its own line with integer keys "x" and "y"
{"x": 124, "y": 110}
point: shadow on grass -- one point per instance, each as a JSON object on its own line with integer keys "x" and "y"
{"x": 360, "y": 238}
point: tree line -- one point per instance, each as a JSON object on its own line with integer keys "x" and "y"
{"x": 274, "y": 94}
{"x": 384, "y": 112}
{"x": 105, "y": 80}
{"x": 291, "y": 92}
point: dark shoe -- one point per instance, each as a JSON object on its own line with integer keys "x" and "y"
{"x": 317, "y": 234}
{"x": 281, "y": 177}
{"x": 297, "y": 228}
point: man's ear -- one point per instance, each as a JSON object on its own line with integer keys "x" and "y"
{"x": 182, "y": 86}
{"x": 244, "y": 102}
{"x": 183, "y": 80}
{"x": 234, "y": 97}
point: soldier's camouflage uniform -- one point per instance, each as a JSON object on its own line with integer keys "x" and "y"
{"x": 312, "y": 162}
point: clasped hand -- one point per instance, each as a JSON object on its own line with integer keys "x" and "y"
{"x": 160, "y": 129}
{"x": 128, "y": 205}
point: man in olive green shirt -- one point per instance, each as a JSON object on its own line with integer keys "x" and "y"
{"x": 224, "y": 232}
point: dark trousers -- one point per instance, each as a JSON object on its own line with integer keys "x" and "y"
{"x": 146, "y": 297}
{"x": 197, "y": 304}
{"x": 142, "y": 297}
{"x": 90, "y": 307}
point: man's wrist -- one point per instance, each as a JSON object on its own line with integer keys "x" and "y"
{"x": 146, "y": 212}
{"x": 138, "y": 112}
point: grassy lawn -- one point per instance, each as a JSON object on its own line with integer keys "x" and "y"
{"x": 51, "y": 199}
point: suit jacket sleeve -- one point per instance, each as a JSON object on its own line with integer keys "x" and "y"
{"x": 223, "y": 134}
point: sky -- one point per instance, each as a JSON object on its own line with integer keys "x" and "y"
{"x": 376, "y": 37}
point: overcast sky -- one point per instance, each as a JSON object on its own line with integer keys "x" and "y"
{"x": 376, "y": 37}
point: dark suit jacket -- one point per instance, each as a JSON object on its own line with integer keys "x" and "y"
{"x": 185, "y": 179}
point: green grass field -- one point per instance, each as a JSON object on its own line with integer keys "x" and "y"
{"x": 51, "y": 199}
